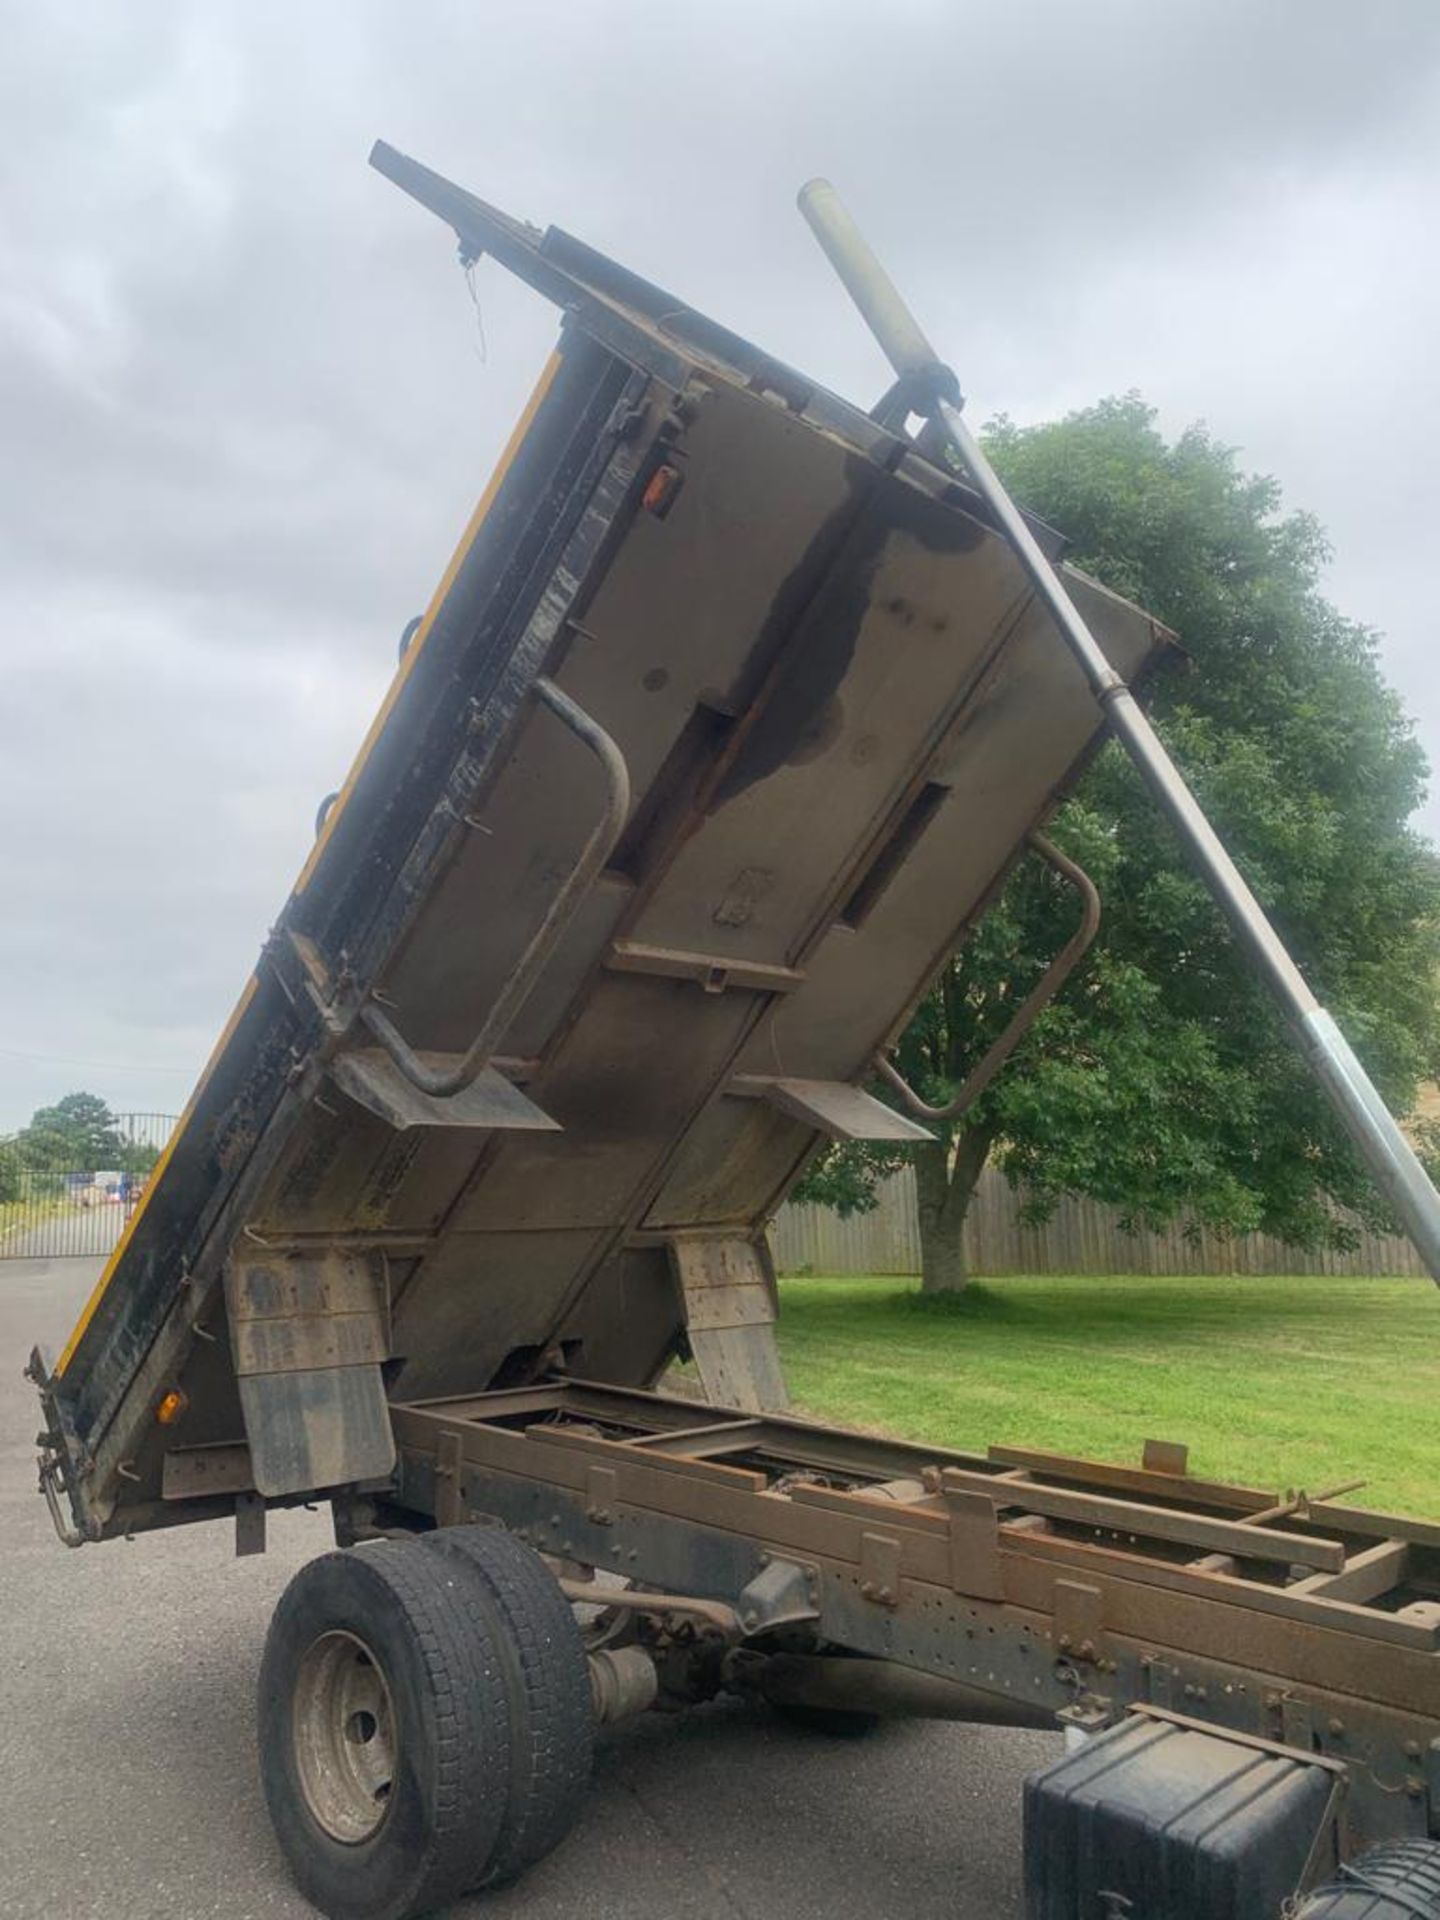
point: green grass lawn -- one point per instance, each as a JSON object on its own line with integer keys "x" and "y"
{"x": 1274, "y": 1382}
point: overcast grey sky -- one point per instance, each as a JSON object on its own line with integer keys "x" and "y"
{"x": 246, "y": 410}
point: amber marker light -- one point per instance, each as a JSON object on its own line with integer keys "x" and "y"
{"x": 661, "y": 489}
{"x": 173, "y": 1405}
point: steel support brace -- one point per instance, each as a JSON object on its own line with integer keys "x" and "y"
{"x": 1383, "y": 1146}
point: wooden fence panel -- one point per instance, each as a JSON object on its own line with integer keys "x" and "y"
{"x": 1081, "y": 1237}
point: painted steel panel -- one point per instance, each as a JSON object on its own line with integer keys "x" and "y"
{"x": 841, "y": 716}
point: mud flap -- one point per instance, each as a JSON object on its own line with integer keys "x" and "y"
{"x": 308, "y": 1333}
{"x": 727, "y": 1290}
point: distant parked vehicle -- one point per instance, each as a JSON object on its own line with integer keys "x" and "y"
{"x": 93, "y": 1189}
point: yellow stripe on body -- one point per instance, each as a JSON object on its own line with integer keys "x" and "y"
{"x": 377, "y": 726}
{"x": 153, "y": 1179}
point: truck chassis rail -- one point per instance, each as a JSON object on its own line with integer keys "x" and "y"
{"x": 1067, "y": 1585}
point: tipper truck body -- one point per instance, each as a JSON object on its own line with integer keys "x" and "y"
{"x": 729, "y": 718}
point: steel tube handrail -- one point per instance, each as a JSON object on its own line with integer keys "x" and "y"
{"x": 441, "y": 1082}
{"x": 1030, "y": 1008}
{"x": 1371, "y": 1126}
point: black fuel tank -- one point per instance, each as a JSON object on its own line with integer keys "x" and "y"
{"x": 1155, "y": 1820}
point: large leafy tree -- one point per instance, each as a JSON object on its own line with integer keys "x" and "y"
{"x": 78, "y": 1133}
{"x": 1162, "y": 1079}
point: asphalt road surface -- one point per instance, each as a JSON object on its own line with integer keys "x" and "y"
{"x": 127, "y": 1763}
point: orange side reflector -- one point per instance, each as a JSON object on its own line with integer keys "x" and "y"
{"x": 661, "y": 489}
{"x": 173, "y": 1405}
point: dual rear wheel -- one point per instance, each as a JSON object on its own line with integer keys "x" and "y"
{"x": 424, "y": 1720}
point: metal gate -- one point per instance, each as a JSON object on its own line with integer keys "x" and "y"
{"x": 56, "y": 1211}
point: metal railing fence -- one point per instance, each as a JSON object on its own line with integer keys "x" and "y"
{"x": 53, "y": 1210}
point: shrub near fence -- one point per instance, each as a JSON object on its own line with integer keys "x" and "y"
{"x": 1081, "y": 1237}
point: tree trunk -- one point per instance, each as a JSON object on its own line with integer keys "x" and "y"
{"x": 946, "y": 1174}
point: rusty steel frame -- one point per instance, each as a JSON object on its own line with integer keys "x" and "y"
{"x": 1061, "y": 1586}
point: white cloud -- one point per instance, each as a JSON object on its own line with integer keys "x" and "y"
{"x": 246, "y": 413}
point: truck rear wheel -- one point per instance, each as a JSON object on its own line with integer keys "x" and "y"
{"x": 1397, "y": 1881}
{"x": 384, "y": 1732}
{"x": 547, "y": 1682}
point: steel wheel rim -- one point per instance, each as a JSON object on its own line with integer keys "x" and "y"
{"x": 345, "y": 1737}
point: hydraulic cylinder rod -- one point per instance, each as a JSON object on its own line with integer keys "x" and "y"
{"x": 1371, "y": 1126}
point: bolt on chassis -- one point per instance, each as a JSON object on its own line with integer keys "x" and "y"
{"x": 728, "y": 719}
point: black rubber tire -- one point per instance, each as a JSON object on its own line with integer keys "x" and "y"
{"x": 835, "y": 1723}
{"x": 1397, "y": 1881}
{"x": 437, "y": 1652}
{"x": 552, "y": 1721}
